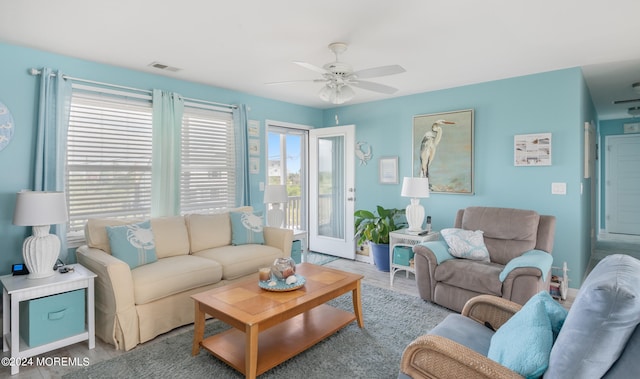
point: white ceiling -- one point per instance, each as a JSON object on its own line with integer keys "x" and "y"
{"x": 243, "y": 44}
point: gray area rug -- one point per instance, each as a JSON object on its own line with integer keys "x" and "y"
{"x": 392, "y": 320}
{"x": 319, "y": 258}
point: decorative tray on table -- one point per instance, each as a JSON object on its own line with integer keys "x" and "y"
{"x": 281, "y": 285}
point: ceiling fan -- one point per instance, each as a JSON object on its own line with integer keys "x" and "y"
{"x": 339, "y": 77}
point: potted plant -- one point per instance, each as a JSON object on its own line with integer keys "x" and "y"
{"x": 376, "y": 229}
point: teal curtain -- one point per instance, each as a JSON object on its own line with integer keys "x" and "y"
{"x": 51, "y": 140}
{"x": 168, "y": 108}
{"x": 241, "y": 124}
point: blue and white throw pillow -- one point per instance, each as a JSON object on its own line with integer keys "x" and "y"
{"x": 467, "y": 244}
{"x": 133, "y": 243}
{"x": 246, "y": 228}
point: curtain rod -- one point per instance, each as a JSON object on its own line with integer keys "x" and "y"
{"x": 35, "y": 72}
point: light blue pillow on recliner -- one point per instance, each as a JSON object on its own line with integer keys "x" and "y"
{"x": 603, "y": 316}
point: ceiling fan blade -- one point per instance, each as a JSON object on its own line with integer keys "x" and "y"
{"x": 379, "y": 71}
{"x": 311, "y": 67}
{"x": 375, "y": 87}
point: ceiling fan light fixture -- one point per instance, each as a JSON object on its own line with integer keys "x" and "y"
{"x": 634, "y": 111}
{"x": 336, "y": 93}
{"x": 636, "y": 87}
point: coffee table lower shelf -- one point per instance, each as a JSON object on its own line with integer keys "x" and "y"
{"x": 282, "y": 341}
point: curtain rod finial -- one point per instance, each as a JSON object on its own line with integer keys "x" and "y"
{"x": 34, "y": 71}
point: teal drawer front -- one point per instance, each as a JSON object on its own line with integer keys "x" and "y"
{"x": 52, "y": 318}
{"x": 402, "y": 255}
{"x": 296, "y": 251}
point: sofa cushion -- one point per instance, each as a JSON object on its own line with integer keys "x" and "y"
{"x": 476, "y": 276}
{"x": 507, "y": 232}
{"x": 173, "y": 275}
{"x": 95, "y": 231}
{"x": 466, "y": 244}
{"x": 133, "y": 243}
{"x": 465, "y": 331}
{"x": 246, "y": 228}
{"x": 241, "y": 260}
{"x": 171, "y": 236}
{"x": 209, "y": 231}
{"x": 602, "y": 317}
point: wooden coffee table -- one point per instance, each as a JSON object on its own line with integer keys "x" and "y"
{"x": 271, "y": 327}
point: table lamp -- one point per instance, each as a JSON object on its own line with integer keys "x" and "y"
{"x": 415, "y": 188}
{"x": 40, "y": 210}
{"x": 275, "y": 194}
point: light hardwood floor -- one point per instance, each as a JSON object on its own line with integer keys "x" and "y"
{"x": 103, "y": 351}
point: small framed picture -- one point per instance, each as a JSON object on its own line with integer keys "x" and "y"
{"x": 254, "y": 146}
{"x": 253, "y": 129}
{"x": 532, "y": 149}
{"x": 388, "y": 170}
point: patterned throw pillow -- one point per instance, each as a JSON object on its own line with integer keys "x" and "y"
{"x": 467, "y": 244}
{"x": 246, "y": 228}
{"x": 133, "y": 243}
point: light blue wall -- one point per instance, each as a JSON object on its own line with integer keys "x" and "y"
{"x": 18, "y": 90}
{"x": 608, "y": 128}
{"x": 555, "y": 102}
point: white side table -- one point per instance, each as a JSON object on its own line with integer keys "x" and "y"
{"x": 302, "y": 236}
{"x": 403, "y": 238}
{"x": 19, "y": 288}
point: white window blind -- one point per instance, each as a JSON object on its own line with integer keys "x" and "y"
{"x": 208, "y": 178}
{"x": 108, "y": 159}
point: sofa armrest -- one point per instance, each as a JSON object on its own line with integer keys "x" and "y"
{"x": 432, "y": 356}
{"x": 490, "y": 309}
{"x": 279, "y": 238}
{"x": 116, "y": 316}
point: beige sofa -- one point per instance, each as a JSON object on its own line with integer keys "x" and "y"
{"x": 194, "y": 254}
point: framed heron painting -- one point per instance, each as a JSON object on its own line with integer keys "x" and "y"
{"x": 443, "y": 151}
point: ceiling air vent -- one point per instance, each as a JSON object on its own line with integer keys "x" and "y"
{"x": 162, "y": 66}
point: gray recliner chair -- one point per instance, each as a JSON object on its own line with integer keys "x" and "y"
{"x": 508, "y": 235}
{"x": 600, "y": 337}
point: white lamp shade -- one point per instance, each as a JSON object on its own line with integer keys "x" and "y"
{"x": 415, "y": 187}
{"x": 275, "y": 193}
{"x": 40, "y": 208}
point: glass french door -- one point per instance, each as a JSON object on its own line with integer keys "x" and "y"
{"x": 287, "y": 164}
{"x": 332, "y": 191}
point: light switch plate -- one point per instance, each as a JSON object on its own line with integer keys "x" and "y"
{"x": 558, "y": 188}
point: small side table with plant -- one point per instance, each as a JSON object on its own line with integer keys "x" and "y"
{"x": 376, "y": 229}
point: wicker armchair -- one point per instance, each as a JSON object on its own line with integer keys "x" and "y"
{"x": 599, "y": 338}
{"x": 433, "y": 356}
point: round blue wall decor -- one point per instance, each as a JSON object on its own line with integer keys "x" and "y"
{"x": 6, "y": 126}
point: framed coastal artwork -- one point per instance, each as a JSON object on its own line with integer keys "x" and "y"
{"x": 442, "y": 146}
{"x": 532, "y": 149}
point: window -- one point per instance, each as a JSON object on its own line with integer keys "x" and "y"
{"x": 108, "y": 160}
{"x": 208, "y": 179}
{"x": 109, "y": 155}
